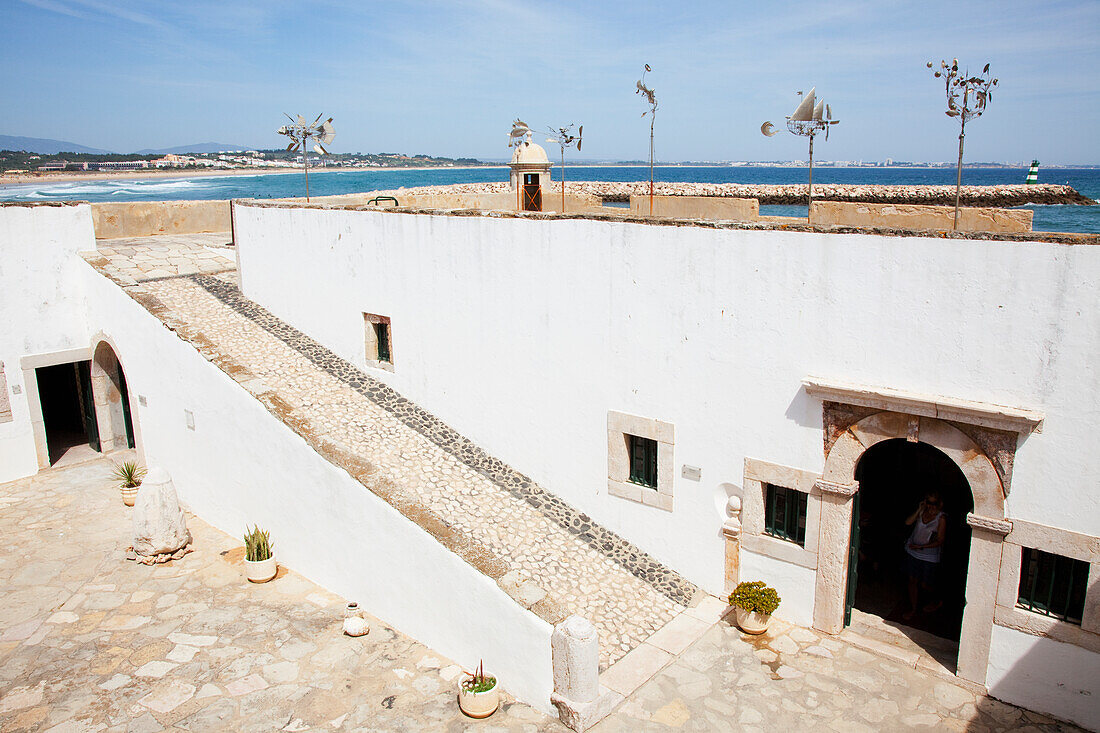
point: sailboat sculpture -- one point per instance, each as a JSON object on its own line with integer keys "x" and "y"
{"x": 809, "y": 118}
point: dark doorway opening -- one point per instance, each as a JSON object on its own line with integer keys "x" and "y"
{"x": 532, "y": 192}
{"x": 894, "y": 476}
{"x": 68, "y": 410}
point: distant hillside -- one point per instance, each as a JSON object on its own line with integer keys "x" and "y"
{"x": 44, "y": 146}
{"x": 196, "y": 148}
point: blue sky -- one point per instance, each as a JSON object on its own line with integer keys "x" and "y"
{"x": 446, "y": 77}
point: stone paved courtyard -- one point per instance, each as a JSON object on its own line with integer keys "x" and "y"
{"x": 90, "y": 641}
{"x": 136, "y": 259}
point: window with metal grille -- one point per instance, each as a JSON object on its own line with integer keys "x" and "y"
{"x": 1053, "y": 585}
{"x": 643, "y": 461}
{"x": 382, "y": 338}
{"x": 785, "y": 514}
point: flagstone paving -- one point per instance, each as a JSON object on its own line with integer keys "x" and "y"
{"x": 797, "y": 679}
{"x": 90, "y": 641}
{"x": 132, "y": 260}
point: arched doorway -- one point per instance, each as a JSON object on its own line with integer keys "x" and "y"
{"x": 894, "y": 476}
{"x": 112, "y": 400}
{"x": 838, "y": 488}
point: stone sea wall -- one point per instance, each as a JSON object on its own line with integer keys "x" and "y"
{"x": 1001, "y": 196}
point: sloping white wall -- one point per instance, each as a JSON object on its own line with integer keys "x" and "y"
{"x": 241, "y": 466}
{"x": 42, "y": 308}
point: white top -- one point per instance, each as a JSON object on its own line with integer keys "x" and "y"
{"x": 922, "y": 534}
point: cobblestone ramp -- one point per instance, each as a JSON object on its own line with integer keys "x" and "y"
{"x": 552, "y": 558}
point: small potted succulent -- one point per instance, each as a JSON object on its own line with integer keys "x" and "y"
{"x": 754, "y": 603}
{"x": 129, "y": 475}
{"x": 259, "y": 561}
{"x": 478, "y": 694}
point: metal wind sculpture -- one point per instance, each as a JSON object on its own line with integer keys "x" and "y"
{"x": 810, "y": 118}
{"x": 300, "y": 133}
{"x": 975, "y": 90}
{"x": 565, "y": 138}
{"x": 651, "y": 99}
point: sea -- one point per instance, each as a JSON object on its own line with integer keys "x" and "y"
{"x": 330, "y": 182}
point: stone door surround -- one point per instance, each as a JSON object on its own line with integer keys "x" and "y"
{"x": 838, "y": 486}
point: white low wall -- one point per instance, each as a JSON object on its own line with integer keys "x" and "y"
{"x": 242, "y": 466}
{"x": 147, "y": 218}
{"x": 42, "y": 308}
{"x": 1045, "y": 675}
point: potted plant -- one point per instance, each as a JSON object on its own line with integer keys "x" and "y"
{"x": 259, "y": 561}
{"x": 478, "y": 695}
{"x": 754, "y": 604}
{"x": 129, "y": 475}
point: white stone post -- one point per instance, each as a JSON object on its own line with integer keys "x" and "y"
{"x": 731, "y": 529}
{"x": 575, "y": 648}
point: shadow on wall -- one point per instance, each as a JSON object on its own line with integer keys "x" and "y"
{"x": 1051, "y": 677}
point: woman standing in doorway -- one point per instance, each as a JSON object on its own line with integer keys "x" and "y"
{"x": 923, "y": 551}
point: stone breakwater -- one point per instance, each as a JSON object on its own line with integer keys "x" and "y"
{"x": 997, "y": 196}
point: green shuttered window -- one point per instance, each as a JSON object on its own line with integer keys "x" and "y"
{"x": 643, "y": 461}
{"x": 1053, "y": 585}
{"x": 785, "y": 514}
{"x": 382, "y": 336}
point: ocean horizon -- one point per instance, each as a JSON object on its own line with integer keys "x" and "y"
{"x": 330, "y": 182}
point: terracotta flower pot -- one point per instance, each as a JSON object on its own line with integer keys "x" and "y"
{"x": 752, "y": 622}
{"x": 479, "y": 704}
{"x": 260, "y": 571}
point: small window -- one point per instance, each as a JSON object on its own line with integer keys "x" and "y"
{"x": 1053, "y": 585}
{"x": 785, "y": 514}
{"x": 643, "y": 461}
{"x": 379, "y": 346}
{"x": 382, "y": 338}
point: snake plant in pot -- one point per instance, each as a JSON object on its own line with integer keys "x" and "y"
{"x": 754, "y": 603}
{"x": 259, "y": 560}
{"x": 129, "y": 475}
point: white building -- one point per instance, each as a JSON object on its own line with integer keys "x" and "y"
{"x": 739, "y": 402}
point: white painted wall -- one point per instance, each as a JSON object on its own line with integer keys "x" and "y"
{"x": 1045, "y": 675}
{"x": 522, "y": 334}
{"x": 42, "y": 308}
{"x": 241, "y": 466}
{"x": 794, "y": 583}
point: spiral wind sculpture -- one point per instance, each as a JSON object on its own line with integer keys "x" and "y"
{"x": 565, "y": 138}
{"x": 300, "y": 133}
{"x": 976, "y": 91}
{"x": 651, "y": 99}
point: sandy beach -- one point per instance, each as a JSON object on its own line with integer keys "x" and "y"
{"x": 22, "y": 179}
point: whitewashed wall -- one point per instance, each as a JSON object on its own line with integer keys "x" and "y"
{"x": 42, "y": 308}
{"x": 523, "y": 334}
{"x": 1045, "y": 675}
{"x": 241, "y": 466}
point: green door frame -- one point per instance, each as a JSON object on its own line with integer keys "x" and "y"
{"x": 853, "y": 562}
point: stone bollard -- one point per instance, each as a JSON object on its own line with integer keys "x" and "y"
{"x": 576, "y": 651}
{"x": 160, "y": 530}
{"x": 580, "y": 700}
